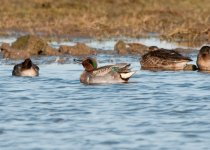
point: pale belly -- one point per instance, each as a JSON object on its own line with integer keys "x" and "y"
{"x": 203, "y": 65}
{"x": 29, "y": 72}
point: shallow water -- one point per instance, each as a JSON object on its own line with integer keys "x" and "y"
{"x": 155, "y": 110}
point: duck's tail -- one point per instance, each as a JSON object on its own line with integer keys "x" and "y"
{"x": 126, "y": 76}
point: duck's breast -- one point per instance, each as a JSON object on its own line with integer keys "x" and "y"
{"x": 29, "y": 72}
{"x": 203, "y": 61}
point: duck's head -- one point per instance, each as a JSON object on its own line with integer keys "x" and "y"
{"x": 205, "y": 50}
{"x": 204, "y": 53}
{"x": 27, "y": 64}
{"x": 203, "y": 58}
{"x": 88, "y": 63}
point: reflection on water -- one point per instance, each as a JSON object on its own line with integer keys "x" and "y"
{"x": 155, "y": 110}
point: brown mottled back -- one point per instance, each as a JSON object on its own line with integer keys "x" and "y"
{"x": 163, "y": 58}
{"x": 166, "y": 54}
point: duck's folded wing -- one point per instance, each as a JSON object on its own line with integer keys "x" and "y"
{"x": 163, "y": 55}
{"x": 36, "y": 67}
{"x": 171, "y": 55}
{"x": 121, "y": 68}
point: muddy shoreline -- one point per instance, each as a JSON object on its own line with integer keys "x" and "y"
{"x": 186, "y": 22}
{"x": 29, "y": 45}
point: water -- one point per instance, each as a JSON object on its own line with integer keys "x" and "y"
{"x": 155, "y": 110}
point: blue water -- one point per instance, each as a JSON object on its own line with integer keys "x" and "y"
{"x": 154, "y": 111}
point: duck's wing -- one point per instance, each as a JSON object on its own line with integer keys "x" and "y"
{"x": 124, "y": 71}
{"x": 16, "y": 70}
{"x": 169, "y": 55}
{"x": 35, "y": 67}
{"x": 120, "y": 68}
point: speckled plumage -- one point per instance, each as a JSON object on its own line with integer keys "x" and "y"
{"x": 106, "y": 74}
{"x": 164, "y": 60}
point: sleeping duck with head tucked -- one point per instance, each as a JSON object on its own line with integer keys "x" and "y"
{"x": 118, "y": 73}
{"x": 163, "y": 59}
{"x": 26, "y": 68}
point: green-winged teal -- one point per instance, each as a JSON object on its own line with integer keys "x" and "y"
{"x": 26, "y": 68}
{"x": 203, "y": 59}
{"x": 107, "y": 74}
{"x": 163, "y": 59}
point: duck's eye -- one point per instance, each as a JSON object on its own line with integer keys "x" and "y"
{"x": 89, "y": 61}
{"x": 203, "y": 55}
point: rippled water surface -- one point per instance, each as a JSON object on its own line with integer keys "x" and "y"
{"x": 155, "y": 110}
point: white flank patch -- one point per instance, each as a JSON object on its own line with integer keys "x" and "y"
{"x": 127, "y": 75}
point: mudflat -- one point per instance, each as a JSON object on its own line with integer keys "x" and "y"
{"x": 187, "y": 20}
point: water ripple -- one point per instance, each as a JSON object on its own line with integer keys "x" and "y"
{"x": 155, "y": 110}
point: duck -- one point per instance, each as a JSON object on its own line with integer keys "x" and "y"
{"x": 163, "y": 59}
{"x": 92, "y": 74}
{"x": 26, "y": 68}
{"x": 203, "y": 59}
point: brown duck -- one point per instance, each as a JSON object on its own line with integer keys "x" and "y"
{"x": 163, "y": 59}
{"x": 203, "y": 59}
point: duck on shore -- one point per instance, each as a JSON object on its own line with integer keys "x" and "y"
{"x": 163, "y": 59}
{"x": 117, "y": 73}
{"x": 26, "y": 68}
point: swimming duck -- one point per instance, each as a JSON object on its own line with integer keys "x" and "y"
{"x": 107, "y": 74}
{"x": 203, "y": 59}
{"x": 163, "y": 59}
{"x": 26, "y": 68}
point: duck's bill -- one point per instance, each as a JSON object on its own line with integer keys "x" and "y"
{"x": 79, "y": 61}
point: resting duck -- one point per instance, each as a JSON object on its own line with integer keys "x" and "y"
{"x": 162, "y": 59}
{"x": 107, "y": 74}
{"x": 203, "y": 59}
{"x": 26, "y": 68}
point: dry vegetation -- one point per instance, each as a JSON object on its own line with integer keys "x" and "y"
{"x": 172, "y": 19}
